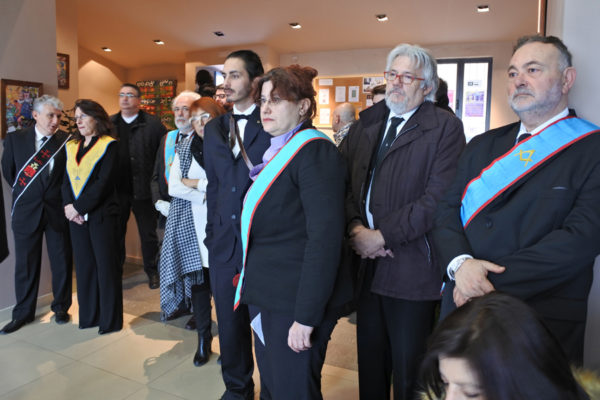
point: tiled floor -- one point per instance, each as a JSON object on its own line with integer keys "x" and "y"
{"x": 146, "y": 360}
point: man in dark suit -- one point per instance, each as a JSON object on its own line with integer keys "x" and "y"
{"x": 402, "y": 155}
{"x": 139, "y": 136}
{"x": 522, "y": 215}
{"x": 33, "y": 163}
{"x": 228, "y": 180}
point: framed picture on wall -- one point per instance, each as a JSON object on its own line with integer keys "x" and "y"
{"x": 17, "y": 104}
{"x": 62, "y": 70}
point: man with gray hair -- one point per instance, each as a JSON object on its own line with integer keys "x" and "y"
{"x": 343, "y": 117}
{"x": 33, "y": 164}
{"x": 401, "y": 154}
{"x": 522, "y": 214}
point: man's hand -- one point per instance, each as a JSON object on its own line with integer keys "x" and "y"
{"x": 299, "y": 337}
{"x": 459, "y": 299}
{"x": 471, "y": 279}
{"x": 367, "y": 242}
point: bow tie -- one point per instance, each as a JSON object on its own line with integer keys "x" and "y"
{"x": 237, "y": 117}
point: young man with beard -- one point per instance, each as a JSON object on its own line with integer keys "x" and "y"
{"x": 228, "y": 179}
{"x": 402, "y": 155}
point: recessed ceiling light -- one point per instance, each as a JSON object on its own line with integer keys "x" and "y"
{"x": 219, "y": 33}
{"x": 483, "y": 8}
{"x": 106, "y": 49}
{"x": 159, "y": 42}
{"x": 381, "y": 17}
{"x": 295, "y": 25}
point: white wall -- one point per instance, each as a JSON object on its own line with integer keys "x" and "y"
{"x": 27, "y": 53}
{"x": 576, "y": 23}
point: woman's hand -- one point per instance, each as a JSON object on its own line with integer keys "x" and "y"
{"x": 72, "y": 215}
{"x": 299, "y": 337}
{"x": 191, "y": 183}
{"x": 70, "y": 212}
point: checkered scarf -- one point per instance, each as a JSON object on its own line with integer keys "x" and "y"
{"x": 180, "y": 264}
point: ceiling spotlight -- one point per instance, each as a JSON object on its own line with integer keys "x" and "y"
{"x": 381, "y": 17}
{"x": 159, "y": 42}
{"x": 483, "y": 8}
{"x": 219, "y": 33}
{"x": 295, "y": 25}
{"x": 106, "y": 49}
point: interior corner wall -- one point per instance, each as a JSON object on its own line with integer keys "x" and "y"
{"x": 576, "y": 22}
{"x": 67, "y": 43}
{"x": 100, "y": 79}
{"x": 27, "y": 53}
{"x": 364, "y": 62}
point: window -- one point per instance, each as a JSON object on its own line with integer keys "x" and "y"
{"x": 469, "y": 86}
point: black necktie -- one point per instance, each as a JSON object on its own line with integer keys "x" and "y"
{"x": 523, "y": 136}
{"x": 237, "y": 117}
{"x": 182, "y": 136}
{"x": 390, "y": 135}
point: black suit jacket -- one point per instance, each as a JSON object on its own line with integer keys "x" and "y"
{"x": 98, "y": 198}
{"x": 41, "y": 196}
{"x": 293, "y": 260}
{"x": 545, "y": 229}
{"x": 228, "y": 180}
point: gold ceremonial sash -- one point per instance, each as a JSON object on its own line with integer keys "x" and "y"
{"x": 79, "y": 172}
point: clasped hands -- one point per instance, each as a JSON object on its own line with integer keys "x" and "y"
{"x": 368, "y": 243}
{"x": 72, "y": 215}
{"x": 471, "y": 280}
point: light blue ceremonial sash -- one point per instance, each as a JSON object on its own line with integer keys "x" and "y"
{"x": 261, "y": 186}
{"x": 169, "y": 154}
{"x": 520, "y": 160}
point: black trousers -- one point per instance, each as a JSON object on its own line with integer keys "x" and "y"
{"x": 235, "y": 337}
{"x": 98, "y": 273}
{"x": 285, "y": 374}
{"x": 391, "y": 336}
{"x": 146, "y": 218}
{"x": 28, "y": 262}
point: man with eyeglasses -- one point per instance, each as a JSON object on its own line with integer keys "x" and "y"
{"x": 221, "y": 98}
{"x": 139, "y": 135}
{"x": 401, "y": 154}
{"x": 228, "y": 180}
{"x": 164, "y": 157}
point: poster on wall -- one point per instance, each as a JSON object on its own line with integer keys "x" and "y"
{"x": 62, "y": 70}
{"x": 323, "y": 96}
{"x": 353, "y": 95}
{"x": 340, "y": 94}
{"x": 369, "y": 82}
{"x": 156, "y": 99}
{"x": 17, "y": 104}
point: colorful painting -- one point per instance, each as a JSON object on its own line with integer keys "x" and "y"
{"x": 62, "y": 70}
{"x": 17, "y": 104}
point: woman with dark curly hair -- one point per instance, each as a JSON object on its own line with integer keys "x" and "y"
{"x": 92, "y": 208}
{"x": 292, "y": 225}
{"x": 496, "y": 348}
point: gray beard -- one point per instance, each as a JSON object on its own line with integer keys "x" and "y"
{"x": 398, "y": 108}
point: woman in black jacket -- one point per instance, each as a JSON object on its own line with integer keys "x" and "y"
{"x": 292, "y": 226}
{"x": 92, "y": 208}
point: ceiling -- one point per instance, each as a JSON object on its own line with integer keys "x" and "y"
{"x": 128, "y": 27}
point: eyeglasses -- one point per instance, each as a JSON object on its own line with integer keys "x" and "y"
{"x": 203, "y": 118}
{"x": 273, "y": 100}
{"x": 406, "y": 79}
{"x": 81, "y": 117}
{"x": 129, "y": 95}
